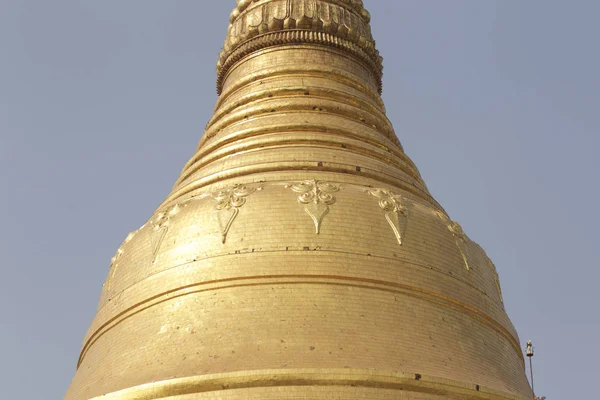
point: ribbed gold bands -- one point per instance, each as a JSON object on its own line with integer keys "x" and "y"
{"x": 253, "y": 281}
{"x": 323, "y": 378}
{"x": 299, "y": 36}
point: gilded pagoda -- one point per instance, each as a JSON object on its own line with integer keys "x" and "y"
{"x": 300, "y": 255}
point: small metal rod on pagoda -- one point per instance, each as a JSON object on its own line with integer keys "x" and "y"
{"x": 530, "y": 354}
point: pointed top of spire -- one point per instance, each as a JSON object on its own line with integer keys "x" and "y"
{"x": 258, "y": 24}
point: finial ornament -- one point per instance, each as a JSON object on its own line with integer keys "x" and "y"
{"x": 529, "y": 349}
{"x": 343, "y": 24}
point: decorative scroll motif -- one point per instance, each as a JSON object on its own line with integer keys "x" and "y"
{"x": 338, "y": 23}
{"x": 396, "y": 209}
{"x": 327, "y": 16}
{"x": 460, "y": 237}
{"x": 160, "y": 227}
{"x": 229, "y": 201}
{"x": 316, "y": 197}
{"x": 114, "y": 262}
{"x": 461, "y": 240}
{"x": 496, "y": 279}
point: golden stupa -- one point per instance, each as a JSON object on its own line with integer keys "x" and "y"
{"x": 300, "y": 254}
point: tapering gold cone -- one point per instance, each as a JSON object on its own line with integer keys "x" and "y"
{"x": 300, "y": 255}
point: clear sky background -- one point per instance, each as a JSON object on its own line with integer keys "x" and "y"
{"x": 102, "y": 102}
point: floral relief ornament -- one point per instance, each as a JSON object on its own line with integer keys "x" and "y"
{"x": 229, "y": 201}
{"x": 396, "y": 209}
{"x": 460, "y": 237}
{"x": 496, "y": 278}
{"x": 160, "y": 227}
{"x": 316, "y": 196}
{"x": 114, "y": 262}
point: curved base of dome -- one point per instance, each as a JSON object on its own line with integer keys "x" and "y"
{"x": 338, "y": 384}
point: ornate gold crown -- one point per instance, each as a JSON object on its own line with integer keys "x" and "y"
{"x": 257, "y": 24}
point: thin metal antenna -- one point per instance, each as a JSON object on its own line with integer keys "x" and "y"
{"x": 530, "y": 354}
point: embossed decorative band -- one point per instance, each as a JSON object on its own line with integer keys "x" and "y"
{"x": 340, "y": 24}
{"x": 356, "y": 5}
{"x": 298, "y": 37}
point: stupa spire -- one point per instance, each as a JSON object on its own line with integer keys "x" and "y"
{"x": 260, "y": 24}
{"x": 289, "y": 67}
{"x": 300, "y": 254}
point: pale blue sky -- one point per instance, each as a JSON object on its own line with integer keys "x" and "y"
{"x": 102, "y": 102}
